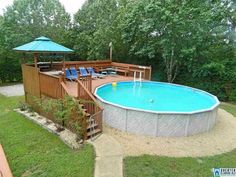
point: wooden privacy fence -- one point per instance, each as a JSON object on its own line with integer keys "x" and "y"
{"x": 31, "y": 83}
{"x": 37, "y": 83}
{"x": 50, "y": 85}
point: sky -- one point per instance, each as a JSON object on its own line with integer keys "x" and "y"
{"x": 71, "y": 6}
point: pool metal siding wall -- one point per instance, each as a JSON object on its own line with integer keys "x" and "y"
{"x": 158, "y": 124}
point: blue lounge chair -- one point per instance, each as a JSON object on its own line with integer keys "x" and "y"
{"x": 74, "y": 72}
{"x": 83, "y": 72}
{"x": 93, "y": 73}
{"x": 69, "y": 76}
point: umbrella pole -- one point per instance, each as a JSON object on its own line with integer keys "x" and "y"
{"x": 51, "y": 63}
{"x": 35, "y": 60}
{"x": 110, "y": 51}
{"x": 63, "y": 69}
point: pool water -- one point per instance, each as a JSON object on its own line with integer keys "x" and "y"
{"x": 156, "y": 97}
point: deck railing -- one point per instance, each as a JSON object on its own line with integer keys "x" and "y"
{"x": 87, "y": 82}
{"x": 99, "y": 64}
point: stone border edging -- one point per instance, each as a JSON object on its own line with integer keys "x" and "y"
{"x": 66, "y": 135}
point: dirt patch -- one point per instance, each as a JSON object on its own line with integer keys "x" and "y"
{"x": 222, "y": 138}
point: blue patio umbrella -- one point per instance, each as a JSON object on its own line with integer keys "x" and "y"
{"x": 42, "y": 45}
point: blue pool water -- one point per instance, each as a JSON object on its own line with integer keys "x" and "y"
{"x": 156, "y": 97}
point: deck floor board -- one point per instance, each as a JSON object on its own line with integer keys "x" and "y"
{"x": 72, "y": 86}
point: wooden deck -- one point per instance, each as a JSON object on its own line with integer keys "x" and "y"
{"x": 72, "y": 86}
{"x": 51, "y": 83}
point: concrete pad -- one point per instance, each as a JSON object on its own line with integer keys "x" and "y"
{"x": 108, "y": 166}
{"x": 106, "y": 145}
{"x": 109, "y": 157}
{"x": 12, "y": 90}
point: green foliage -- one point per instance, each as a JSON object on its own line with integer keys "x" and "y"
{"x": 94, "y": 31}
{"x": 62, "y": 109}
{"x": 212, "y": 70}
{"x": 174, "y": 31}
{"x": 23, "y": 106}
{"x": 77, "y": 129}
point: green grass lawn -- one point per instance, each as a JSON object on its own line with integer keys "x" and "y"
{"x": 229, "y": 107}
{"x": 9, "y": 83}
{"x": 33, "y": 151}
{"x": 157, "y": 166}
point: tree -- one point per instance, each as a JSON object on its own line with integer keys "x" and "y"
{"x": 24, "y": 21}
{"x": 96, "y": 26}
{"x": 173, "y": 30}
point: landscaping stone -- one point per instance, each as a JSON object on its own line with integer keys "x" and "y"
{"x": 69, "y": 138}
{"x": 66, "y": 135}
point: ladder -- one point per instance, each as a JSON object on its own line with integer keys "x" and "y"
{"x": 140, "y": 77}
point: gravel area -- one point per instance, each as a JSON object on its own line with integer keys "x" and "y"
{"x": 222, "y": 138}
{"x": 12, "y": 90}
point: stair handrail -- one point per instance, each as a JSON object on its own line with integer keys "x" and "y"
{"x": 65, "y": 90}
{"x": 96, "y": 113}
{"x": 89, "y": 93}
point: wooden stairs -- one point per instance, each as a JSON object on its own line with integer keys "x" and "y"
{"x": 92, "y": 126}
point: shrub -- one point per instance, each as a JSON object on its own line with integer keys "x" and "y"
{"x": 23, "y": 106}
{"x": 66, "y": 112}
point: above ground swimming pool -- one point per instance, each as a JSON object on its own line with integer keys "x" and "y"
{"x": 157, "y": 109}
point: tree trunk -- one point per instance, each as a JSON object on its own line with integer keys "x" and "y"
{"x": 171, "y": 67}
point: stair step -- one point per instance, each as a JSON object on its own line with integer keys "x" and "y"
{"x": 81, "y": 105}
{"x": 87, "y": 114}
{"x": 92, "y": 125}
{"x": 89, "y": 121}
{"x": 96, "y": 131}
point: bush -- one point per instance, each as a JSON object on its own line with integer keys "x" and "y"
{"x": 10, "y": 71}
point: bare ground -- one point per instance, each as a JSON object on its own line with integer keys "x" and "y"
{"x": 222, "y": 138}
